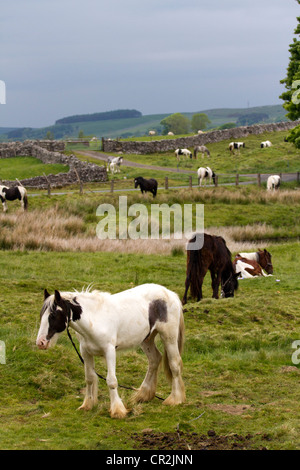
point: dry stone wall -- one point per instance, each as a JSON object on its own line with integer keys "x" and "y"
{"x": 155, "y": 146}
{"x": 50, "y": 152}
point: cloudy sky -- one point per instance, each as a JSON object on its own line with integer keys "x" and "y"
{"x": 64, "y": 57}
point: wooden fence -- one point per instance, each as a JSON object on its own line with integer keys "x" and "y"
{"x": 235, "y": 179}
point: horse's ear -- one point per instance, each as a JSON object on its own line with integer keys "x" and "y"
{"x": 46, "y": 294}
{"x": 57, "y": 296}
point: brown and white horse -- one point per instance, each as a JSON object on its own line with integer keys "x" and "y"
{"x": 247, "y": 268}
{"x": 263, "y": 257}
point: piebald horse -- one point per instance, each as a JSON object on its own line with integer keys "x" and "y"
{"x": 248, "y": 268}
{"x": 262, "y": 257}
{"x": 107, "y": 323}
{"x": 13, "y": 193}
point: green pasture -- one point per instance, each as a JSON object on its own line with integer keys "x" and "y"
{"x": 238, "y": 368}
{"x": 27, "y": 167}
{"x": 240, "y": 373}
{"x": 282, "y": 157}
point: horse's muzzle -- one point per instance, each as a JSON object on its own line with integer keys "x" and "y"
{"x": 42, "y": 343}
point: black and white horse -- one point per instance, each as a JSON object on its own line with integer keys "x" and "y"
{"x": 13, "y": 193}
{"x": 107, "y": 323}
{"x": 265, "y": 144}
{"x": 146, "y": 185}
{"x": 204, "y": 173}
{"x": 273, "y": 182}
{"x": 236, "y": 146}
{"x": 183, "y": 152}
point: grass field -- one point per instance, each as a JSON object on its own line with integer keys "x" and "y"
{"x": 281, "y": 157}
{"x": 27, "y": 167}
{"x": 240, "y": 376}
{"x": 238, "y": 367}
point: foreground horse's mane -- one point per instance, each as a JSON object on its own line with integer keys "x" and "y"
{"x": 70, "y": 295}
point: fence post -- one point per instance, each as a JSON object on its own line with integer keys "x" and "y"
{"x": 216, "y": 180}
{"x": 298, "y": 177}
{"x": 80, "y": 183}
{"x": 48, "y": 185}
{"x": 112, "y": 186}
{"x": 259, "y": 179}
{"x": 190, "y": 182}
{"x": 166, "y": 182}
{"x": 237, "y": 179}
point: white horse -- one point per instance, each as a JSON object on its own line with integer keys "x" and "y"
{"x": 114, "y": 164}
{"x": 107, "y": 323}
{"x": 265, "y": 144}
{"x": 273, "y": 182}
{"x": 185, "y": 152}
{"x": 204, "y": 173}
{"x": 13, "y": 193}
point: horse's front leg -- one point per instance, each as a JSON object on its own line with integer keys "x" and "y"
{"x": 4, "y": 204}
{"x": 117, "y": 408}
{"x": 216, "y": 286}
{"x": 91, "y": 394}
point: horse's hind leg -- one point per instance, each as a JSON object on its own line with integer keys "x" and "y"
{"x": 173, "y": 369}
{"x": 147, "y": 390}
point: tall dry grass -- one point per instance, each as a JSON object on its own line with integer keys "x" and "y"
{"x": 52, "y": 230}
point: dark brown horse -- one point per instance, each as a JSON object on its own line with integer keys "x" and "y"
{"x": 215, "y": 257}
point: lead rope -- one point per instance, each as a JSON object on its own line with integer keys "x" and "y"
{"x": 98, "y": 375}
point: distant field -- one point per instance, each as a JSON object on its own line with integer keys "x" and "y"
{"x": 27, "y": 167}
{"x": 281, "y": 157}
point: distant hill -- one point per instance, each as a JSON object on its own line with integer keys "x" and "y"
{"x": 107, "y": 116}
{"x": 127, "y": 123}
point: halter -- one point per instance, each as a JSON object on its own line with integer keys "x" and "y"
{"x": 223, "y": 285}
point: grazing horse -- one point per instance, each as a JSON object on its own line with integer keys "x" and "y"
{"x": 273, "y": 182}
{"x": 265, "y": 144}
{"x": 248, "y": 268}
{"x": 13, "y": 193}
{"x": 236, "y": 146}
{"x": 185, "y": 152}
{"x": 108, "y": 323}
{"x": 215, "y": 257}
{"x": 204, "y": 173}
{"x": 202, "y": 149}
{"x": 146, "y": 185}
{"x": 262, "y": 257}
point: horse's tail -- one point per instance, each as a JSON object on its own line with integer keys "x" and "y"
{"x": 25, "y": 200}
{"x": 193, "y": 271}
{"x": 24, "y": 197}
{"x": 180, "y": 344}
